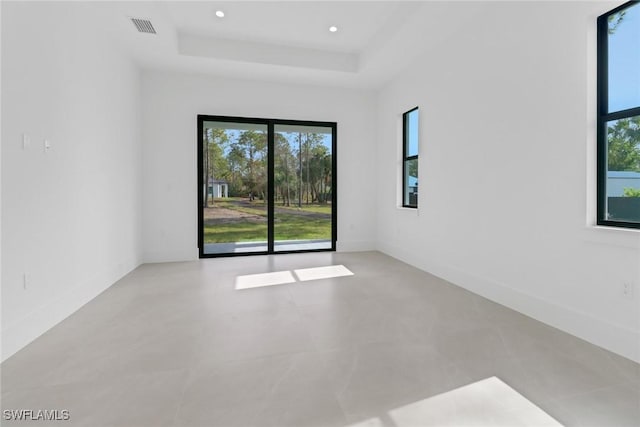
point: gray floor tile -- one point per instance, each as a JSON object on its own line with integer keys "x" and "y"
{"x": 177, "y": 344}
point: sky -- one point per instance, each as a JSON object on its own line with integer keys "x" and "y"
{"x": 412, "y": 149}
{"x": 624, "y": 62}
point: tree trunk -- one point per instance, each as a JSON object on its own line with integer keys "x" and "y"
{"x": 206, "y": 168}
{"x": 288, "y": 191}
{"x": 308, "y": 183}
{"x": 300, "y": 168}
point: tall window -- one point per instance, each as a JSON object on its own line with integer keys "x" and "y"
{"x": 410, "y": 159}
{"x": 619, "y": 116}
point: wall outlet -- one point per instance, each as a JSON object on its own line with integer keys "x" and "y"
{"x": 628, "y": 290}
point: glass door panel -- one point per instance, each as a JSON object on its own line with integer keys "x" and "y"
{"x": 234, "y": 167}
{"x": 303, "y": 187}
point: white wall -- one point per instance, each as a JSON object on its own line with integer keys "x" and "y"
{"x": 171, "y": 103}
{"x": 506, "y": 98}
{"x": 70, "y": 215}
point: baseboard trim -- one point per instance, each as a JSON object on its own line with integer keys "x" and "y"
{"x": 170, "y": 256}
{"x": 355, "y": 246}
{"x": 181, "y": 256}
{"x": 22, "y": 332}
{"x": 615, "y": 338}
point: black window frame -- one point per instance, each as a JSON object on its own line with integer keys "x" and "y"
{"x": 406, "y": 158}
{"x": 605, "y": 116}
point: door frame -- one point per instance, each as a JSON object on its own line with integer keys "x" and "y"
{"x": 271, "y": 123}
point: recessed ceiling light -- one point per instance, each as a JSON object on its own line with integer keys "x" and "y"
{"x": 333, "y": 28}
{"x": 219, "y": 14}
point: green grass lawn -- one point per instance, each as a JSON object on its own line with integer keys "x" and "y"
{"x": 259, "y": 207}
{"x": 236, "y": 232}
{"x": 287, "y": 227}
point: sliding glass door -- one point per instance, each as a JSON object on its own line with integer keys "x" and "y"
{"x": 234, "y": 170}
{"x": 265, "y": 186}
{"x": 303, "y": 213}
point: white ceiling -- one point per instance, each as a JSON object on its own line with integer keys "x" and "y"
{"x": 286, "y": 41}
{"x": 302, "y": 24}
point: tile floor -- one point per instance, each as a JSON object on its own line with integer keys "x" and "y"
{"x": 177, "y": 345}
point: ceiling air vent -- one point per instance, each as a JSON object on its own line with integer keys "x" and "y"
{"x": 143, "y": 25}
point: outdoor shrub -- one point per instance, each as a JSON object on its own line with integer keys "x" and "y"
{"x": 632, "y": 192}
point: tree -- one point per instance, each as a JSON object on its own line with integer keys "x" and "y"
{"x": 312, "y": 143}
{"x": 285, "y": 164}
{"x": 215, "y": 166}
{"x": 615, "y": 20}
{"x": 300, "y": 169}
{"x": 236, "y": 161}
{"x": 254, "y": 147}
{"x": 623, "y": 140}
{"x": 326, "y": 177}
{"x": 317, "y": 171}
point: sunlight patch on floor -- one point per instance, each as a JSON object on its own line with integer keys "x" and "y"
{"x": 489, "y": 402}
{"x": 317, "y": 273}
{"x": 249, "y": 281}
{"x": 264, "y": 279}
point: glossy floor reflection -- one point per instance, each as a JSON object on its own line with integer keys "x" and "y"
{"x": 178, "y": 345}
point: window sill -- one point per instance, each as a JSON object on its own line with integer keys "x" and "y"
{"x": 613, "y": 236}
{"x": 405, "y": 208}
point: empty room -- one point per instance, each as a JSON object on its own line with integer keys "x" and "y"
{"x": 320, "y": 213}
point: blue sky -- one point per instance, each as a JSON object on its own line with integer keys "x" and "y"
{"x": 413, "y": 133}
{"x": 624, "y": 62}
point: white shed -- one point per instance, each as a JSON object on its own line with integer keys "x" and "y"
{"x": 218, "y": 188}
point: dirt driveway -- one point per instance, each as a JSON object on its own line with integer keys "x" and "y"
{"x": 222, "y": 215}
